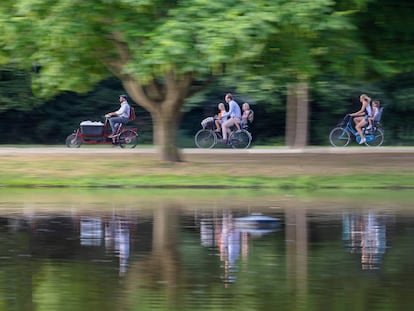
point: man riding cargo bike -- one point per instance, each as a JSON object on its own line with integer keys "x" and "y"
{"x": 98, "y": 132}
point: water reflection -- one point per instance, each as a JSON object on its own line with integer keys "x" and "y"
{"x": 365, "y": 234}
{"x": 177, "y": 257}
{"x": 231, "y": 238}
{"x": 117, "y": 239}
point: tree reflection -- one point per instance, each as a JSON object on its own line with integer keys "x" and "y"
{"x": 297, "y": 252}
{"x": 159, "y": 272}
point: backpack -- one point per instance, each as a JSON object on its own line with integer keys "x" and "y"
{"x": 131, "y": 113}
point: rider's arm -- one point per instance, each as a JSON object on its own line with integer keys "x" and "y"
{"x": 225, "y": 114}
{"x": 111, "y": 114}
{"x": 360, "y": 112}
{"x": 117, "y": 113}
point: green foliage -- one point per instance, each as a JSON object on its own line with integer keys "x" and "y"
{"x": 15, "y": 90}
{"x": 74, "y": 44}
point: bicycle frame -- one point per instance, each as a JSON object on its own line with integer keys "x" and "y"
{"x": 349, "y": 127}
{"x": 368, "y": 136}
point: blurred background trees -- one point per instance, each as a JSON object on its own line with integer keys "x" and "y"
{"x": 340, "y": 49}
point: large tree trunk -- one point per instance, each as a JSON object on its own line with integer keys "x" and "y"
{"x": 165, "y": 126}
{"x": 297, "y": 115}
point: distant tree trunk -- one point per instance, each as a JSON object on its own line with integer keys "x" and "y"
{"x": 297, "y": 113}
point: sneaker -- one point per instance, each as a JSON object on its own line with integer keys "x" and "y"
{"x": 362, "y": 141}
{"x": 369, "y": 127}
{"x": 111, "y": 136}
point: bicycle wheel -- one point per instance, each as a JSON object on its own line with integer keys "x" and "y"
{"x": 240, "y": 139}
{"x": 205, "y": 139}
{"x": 339, "y": 137}
{"x": 128, "y": 139}
{"x": 376, "y": 138}
{"x": 73, "y": 141}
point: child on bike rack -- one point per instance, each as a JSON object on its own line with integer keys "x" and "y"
{"x": 220, "y": 117}
{"x": 375, "y": 111}
{"x": 247, "y": 116}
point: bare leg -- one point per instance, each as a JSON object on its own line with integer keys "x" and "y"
{"x": 358, "y": 128}
{"x": 357, "y": 120}
{"x": 226, "y": 127}
{"x": 369, "y": 124}
{"x": 218, "y": 126}
{"x": 237, "y": 123}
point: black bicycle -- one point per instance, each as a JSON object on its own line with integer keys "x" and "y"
{"x": 207, "y": 137}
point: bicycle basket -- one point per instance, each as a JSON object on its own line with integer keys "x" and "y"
{"x": 208, "y": 123}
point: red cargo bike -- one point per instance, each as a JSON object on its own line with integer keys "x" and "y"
{"x": 96, "y": 133}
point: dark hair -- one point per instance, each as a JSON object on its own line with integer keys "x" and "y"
{"x": 229, "y": 96}
{"x": 123, "y": 96}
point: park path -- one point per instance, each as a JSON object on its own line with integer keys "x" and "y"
{"x": 147, "y": 150}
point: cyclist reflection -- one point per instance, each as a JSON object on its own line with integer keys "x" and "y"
{"x": 365, "y": 235}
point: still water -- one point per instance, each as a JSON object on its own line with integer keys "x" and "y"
{"x": 118, "y": 250}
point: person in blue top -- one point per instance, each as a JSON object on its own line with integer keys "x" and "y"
{"x": 233, "y": 116}
{"x": 119, "y": 116}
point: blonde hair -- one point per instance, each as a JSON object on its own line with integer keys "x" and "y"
{"x": 246, "y": 106}
{"x": 221, "y": 106}
{"x": 365, "y": 96}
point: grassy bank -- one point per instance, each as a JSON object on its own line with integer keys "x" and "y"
{"x": 296, "y": 171}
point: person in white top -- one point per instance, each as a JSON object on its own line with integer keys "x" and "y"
{"x": 361, "y": 116}
{"x": 119, "y": 116}
{"x": 375, "y": 112}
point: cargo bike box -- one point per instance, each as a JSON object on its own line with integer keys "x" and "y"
{"x": 89, "y": 128}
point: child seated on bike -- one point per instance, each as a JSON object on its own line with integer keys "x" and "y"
{"x": 247, "y": 116}
{"x": 220, "y": 117}
{"x": 375, "y": 112}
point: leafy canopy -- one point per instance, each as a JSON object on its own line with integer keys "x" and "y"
{"x": 78, "y": 43}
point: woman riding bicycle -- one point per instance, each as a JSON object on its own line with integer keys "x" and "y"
{"x": 362, "y": 115}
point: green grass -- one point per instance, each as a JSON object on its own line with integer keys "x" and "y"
{"x": 98, "y": 179}
{"x": 213, "y": 171}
